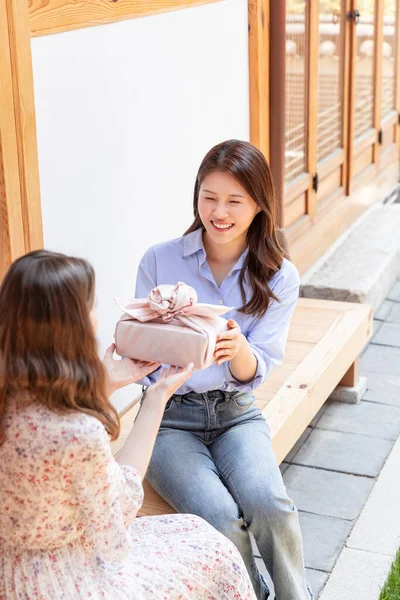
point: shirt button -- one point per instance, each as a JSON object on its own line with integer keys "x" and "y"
{"x": 221, "y": 301}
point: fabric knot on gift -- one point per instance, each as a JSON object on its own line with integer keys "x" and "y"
{"x": 169, "y": 303}
{"x": 170, "y": 327}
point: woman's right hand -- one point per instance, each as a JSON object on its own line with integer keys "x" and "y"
{"x": 170, "y": 380}
{"x": 124, "y": 371}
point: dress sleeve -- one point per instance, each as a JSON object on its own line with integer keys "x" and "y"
{"x": 106, "y": 495}
{"x": 267, "y": 335}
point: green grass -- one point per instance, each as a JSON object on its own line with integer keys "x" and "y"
{"x": 391, "y": 589}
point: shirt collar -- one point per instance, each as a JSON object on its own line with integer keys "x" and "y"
{"x": 193, "y": 243}
{"x": 240, "y": 261}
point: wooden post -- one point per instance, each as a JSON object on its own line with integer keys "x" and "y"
{"x": 20, "y": 221}
{"x": 350, "y": 379}
{"x": 312, "y": 103}
{"x": 277, "y": 101}
{"x": 258, "y": 23}
{"x": 397, "y": 75}
{"x": 12, "y": 243}
{"x": 346, "y": 88}
{"x": 377, "y": 76}
{"x": 351, "y": 36}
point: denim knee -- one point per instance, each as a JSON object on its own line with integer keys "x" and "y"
{"x": 225, "y": 518}
{"x": 275, "y": 512}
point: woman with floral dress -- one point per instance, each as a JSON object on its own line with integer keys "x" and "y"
{"x": 68, "y": 527}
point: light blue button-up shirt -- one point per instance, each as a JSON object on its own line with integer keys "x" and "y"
{"x": 184, "y": 259}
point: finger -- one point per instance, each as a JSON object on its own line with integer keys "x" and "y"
{"x": 185, "y": 372}
{"x": 229, "y": 335}
{"x": 225, "y": 351}
{"x": 232, "y": 324}
{"x": 139, "y": 363}
{"x": 224, "y": 356}
{"x": 110, "y": 351}
{"x": 149, "y": 368}
{"x": 222, "y": 359}
{"x": 176, "y": 369}
{"x": 223, "y": 344}
{"x": 142, "y": 364}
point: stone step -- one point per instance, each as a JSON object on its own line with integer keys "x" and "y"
{"x": 364, "y": 267}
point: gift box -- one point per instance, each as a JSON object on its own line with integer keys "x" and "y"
{"x": 169, "y": 327}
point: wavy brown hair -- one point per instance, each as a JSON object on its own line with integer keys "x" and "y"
{"x": 47, "y": 343}
{"x": 266, "y": 243}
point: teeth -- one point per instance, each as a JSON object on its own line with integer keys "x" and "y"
{"x": 223, "y": 226}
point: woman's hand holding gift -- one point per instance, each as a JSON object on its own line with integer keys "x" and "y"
{"x": 229, "y": 343}
{"x": 124, "y": 371}
{"x": 170, "y": 380}
{"x": 232, "y": 346}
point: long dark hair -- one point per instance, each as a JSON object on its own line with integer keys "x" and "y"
{"x": 47, "y": 344}
{"x": 264, "y": 240}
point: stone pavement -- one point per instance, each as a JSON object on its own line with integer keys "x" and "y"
{"x": 363, "y": 264}
{"x": 333, "y": 468}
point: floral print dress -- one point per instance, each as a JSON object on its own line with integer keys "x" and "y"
{"x": 68, "y": 529}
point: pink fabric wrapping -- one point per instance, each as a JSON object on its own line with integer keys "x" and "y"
{"x": 169, "y": 327}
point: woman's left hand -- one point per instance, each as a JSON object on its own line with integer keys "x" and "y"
{"x": 229, "y": 343}
{"x": 124, "y": 371}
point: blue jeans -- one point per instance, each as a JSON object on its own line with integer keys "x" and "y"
{"x": 213, "y": 458}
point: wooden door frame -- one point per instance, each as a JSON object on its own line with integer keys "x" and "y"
{"x": 332, "y": 168}
{"x": 259, "y": 73}
{"x": 335, "y": 162}
{"x": 348, "y": 98}
{"x": 397, "y": 69}
{"x": 370, "y": 139}
{"x": 276, "y": 102}
{"x": 303, "y": 184}
{"x": 389, "y": 123}
{"x": 378, "y": 39}
{"x": 21, "y": 222}
{"x": 312, "y": 106}
{"x": 56, "y": 16}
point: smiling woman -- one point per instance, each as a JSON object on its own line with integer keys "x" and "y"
{"x": 213, "y": 442}
{"x": 246, "y": 203}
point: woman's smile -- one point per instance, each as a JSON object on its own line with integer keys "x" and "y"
{"x": 221, "y": 226}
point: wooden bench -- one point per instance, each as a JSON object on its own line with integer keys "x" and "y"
{"x": 324, "y": 344}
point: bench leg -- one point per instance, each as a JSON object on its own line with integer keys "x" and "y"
{"x": 352, "y": 387}
{"x": 352, "y": 375}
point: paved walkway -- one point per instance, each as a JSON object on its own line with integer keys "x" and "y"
{"x": 333, "y": 468}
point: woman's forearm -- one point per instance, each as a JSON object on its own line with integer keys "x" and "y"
{"x": 244, "y": 366}
{"x": 138, "y": 448}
